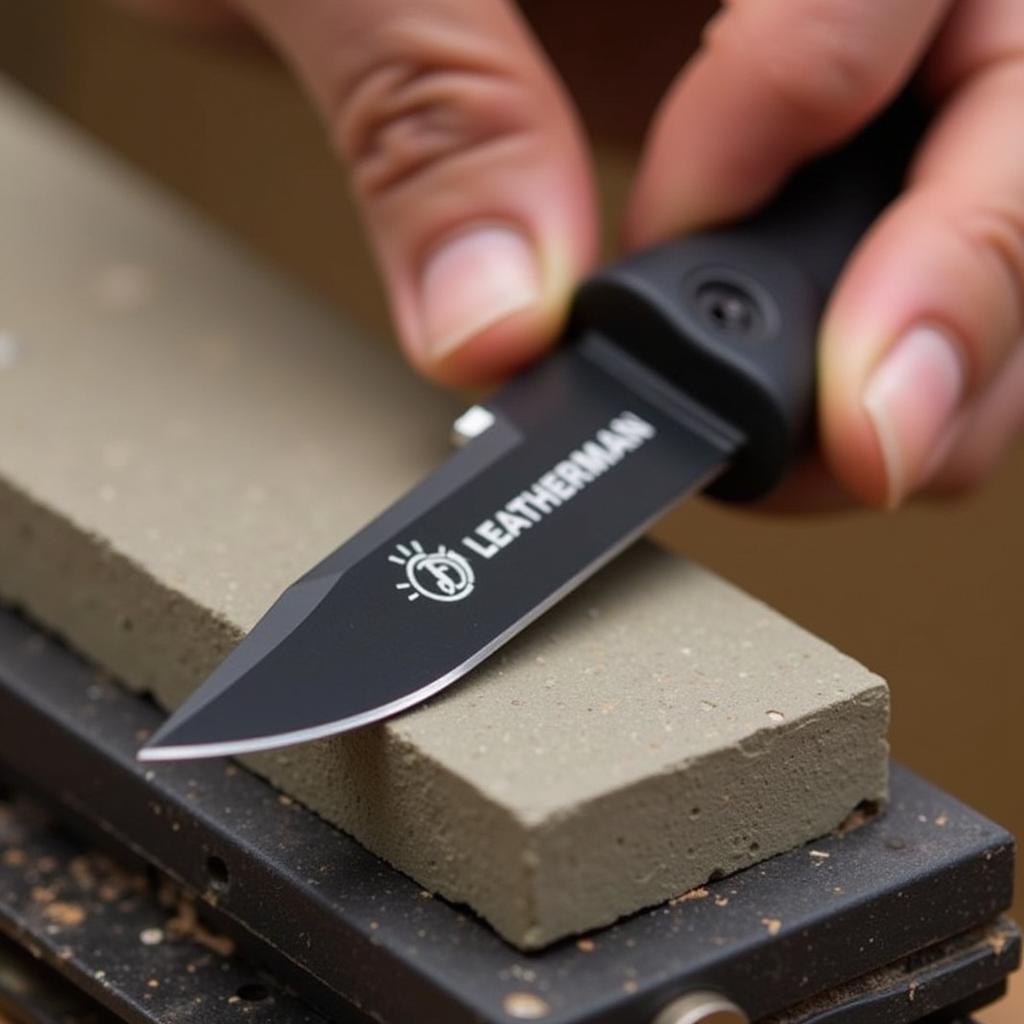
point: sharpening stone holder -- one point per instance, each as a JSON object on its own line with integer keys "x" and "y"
{"x": 894, "y": 921}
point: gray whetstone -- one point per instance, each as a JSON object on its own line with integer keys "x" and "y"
{"x": 182, "y": 434}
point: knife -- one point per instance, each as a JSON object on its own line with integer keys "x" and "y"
{"x": 686, "y": 367}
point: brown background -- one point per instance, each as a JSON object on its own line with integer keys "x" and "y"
{"x": 930, "y": 597}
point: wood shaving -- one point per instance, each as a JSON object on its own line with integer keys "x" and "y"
{"x": 66, "y": 914}
{"x": 700, "y": 893}
{"x": 858, "y": 817}
{"x": 186, "y": 924}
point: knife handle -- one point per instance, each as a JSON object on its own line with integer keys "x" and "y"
{"x": 731, "y": 315}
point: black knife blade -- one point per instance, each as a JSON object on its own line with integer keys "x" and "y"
{"x": 685, "y": 367}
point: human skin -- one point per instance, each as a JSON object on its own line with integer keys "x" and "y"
{"x": 468, "y": 162}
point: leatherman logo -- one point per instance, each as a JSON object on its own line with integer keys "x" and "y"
{"x": 446, "y": 575}
{"x": 441, "y": 575}
{"x": 560, "y": 484}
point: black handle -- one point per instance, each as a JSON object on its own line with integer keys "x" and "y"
{"x": 731, "y": 315}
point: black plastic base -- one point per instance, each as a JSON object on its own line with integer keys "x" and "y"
{"x": 99, "y": 940}
{"x": 894, "y": 922}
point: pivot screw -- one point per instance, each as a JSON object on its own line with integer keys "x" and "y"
{"x": 727, "y": 308}
{"x": 701, "y": 1008}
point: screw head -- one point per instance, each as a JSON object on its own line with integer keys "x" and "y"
{"x": 701, "y": 1008}
{"x": 727, "y": 308}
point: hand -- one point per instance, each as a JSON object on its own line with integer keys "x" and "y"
{"x": 470, "y": 169}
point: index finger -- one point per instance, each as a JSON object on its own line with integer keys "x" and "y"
{"x": 772, "y": 85}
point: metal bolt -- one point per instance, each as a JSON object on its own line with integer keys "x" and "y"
{"x": 701, "y": 1008}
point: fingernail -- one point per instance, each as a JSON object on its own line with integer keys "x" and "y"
{"x": 471, "y": 282}
{"x": 911, "y": 397}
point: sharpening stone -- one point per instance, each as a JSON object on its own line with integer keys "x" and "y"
{"x": 182, "y": 435}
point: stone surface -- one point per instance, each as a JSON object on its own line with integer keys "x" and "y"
{"x": 182, "y": 434}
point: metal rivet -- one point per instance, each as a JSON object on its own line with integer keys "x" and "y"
{"x": 472, "y": 423}
{"x": 701, "y": 1008}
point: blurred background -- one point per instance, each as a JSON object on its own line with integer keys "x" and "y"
{"x": 930, "y": 598}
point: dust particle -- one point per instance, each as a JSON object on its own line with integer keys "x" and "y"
{"x": 773, "y": 924}
{"x": 942, "y": 820}
{"x": 525, "y": 1006}
{"x": 151, "y": 936}
{"x": 721, "y": 901}
{"x": 819, "y": 855}
{"x": 586, "y": 945}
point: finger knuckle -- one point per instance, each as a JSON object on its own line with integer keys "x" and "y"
{"x": 995, "y": 230}
{"x": 824, "y": 69}
{"x": 419, "y": 105}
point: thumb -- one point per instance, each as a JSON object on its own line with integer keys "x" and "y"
{"x": 467, "y": 163}
{"x": 924, "y": 323}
